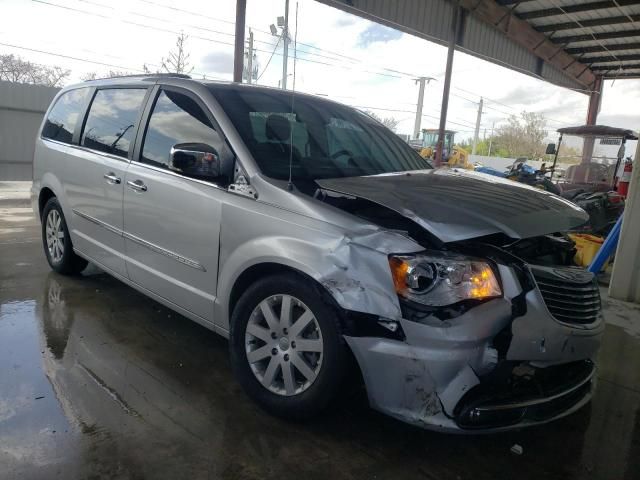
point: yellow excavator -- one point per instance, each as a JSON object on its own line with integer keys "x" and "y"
{"x": 452, "y": 155}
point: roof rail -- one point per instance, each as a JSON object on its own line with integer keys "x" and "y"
{"x": 159, "y": 74}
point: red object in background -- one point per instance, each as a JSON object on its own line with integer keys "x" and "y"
{"x": 625, "y": 179}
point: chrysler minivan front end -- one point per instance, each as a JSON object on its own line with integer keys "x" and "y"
{"x": 462, "y": 307}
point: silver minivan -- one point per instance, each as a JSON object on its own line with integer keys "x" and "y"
{"x": 316, "y": 240}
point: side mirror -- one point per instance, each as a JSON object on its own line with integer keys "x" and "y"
{"x": 195, "y": 160}
{"x": 551, "y": 149}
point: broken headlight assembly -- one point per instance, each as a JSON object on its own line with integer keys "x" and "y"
{"x": 439, "y": 280}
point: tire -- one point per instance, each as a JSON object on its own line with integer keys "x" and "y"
{"x": 57, "y": 243}
{"x": 300, "y": 398}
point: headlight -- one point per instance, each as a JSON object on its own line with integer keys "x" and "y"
{"x": 440, "y": 280}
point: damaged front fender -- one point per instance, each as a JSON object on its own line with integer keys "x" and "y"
{"x": 353, "y": 266}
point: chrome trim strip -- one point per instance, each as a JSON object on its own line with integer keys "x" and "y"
{"x": 538, "y": 401}
{"x": 169, "y": 172}
{"x": 86, "y": 149}
{"x": 109, "y": 227}
{"x": 163, "y": 251}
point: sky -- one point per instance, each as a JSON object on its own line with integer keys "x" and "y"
{"x": 339, "y": 55}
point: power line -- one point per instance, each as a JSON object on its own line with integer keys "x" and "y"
{"x": 70, "y": 57}
{"x": 394, "y": 110}
{"x": 507, "y": 106}
{"x": 268, "y": 61}
{"x": 200, "y": 15}
{"x": 104, "y": 64}
{"x": 352, "y": 59}
{"x": 142, "y": 25}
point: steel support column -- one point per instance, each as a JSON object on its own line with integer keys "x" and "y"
{"x": 238, "y": 53}
{"x": 625, "y": 278}
{"x": 595, "y": 99}
{"x": 456, "y": 22}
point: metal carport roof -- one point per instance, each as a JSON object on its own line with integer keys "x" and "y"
{"x": 567, "y": 42}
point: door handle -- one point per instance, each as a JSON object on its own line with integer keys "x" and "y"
{"x": 112, "y": 178}
{"x": 138, "y": 186}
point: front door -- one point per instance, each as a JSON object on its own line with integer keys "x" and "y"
{"x": 172, "y": 220}
{"x": 94, "y": 176}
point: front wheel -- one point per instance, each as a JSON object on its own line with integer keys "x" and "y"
{"x": 286, "y": 349}
{"x": 57, "y": 242}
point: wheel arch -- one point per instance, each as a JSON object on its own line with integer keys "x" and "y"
{"x": 43, "y": 197}
{"x": 261, "y": 270}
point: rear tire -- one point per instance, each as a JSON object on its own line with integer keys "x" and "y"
{"x": 292, "y": 364}
{"x": 57, "y": 243}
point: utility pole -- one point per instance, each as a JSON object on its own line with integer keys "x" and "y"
{"x": 250, "y": 59}
{"x": 491, "y": 138}
{"x": 416, "y": 126}
{"x": 238, "y": 57}
{"x": 285, "y": 38}
{"x": 477, "y": 132}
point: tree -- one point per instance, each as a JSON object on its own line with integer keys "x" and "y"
{"x": 15, "y": 69}
{"x": 568, "y": 154}
{"x": 390, "y": 122}
{"x": 522, "y": 137}
{"x": 178, "y": 60}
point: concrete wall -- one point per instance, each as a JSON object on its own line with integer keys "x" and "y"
{"x": 22, "y": 107}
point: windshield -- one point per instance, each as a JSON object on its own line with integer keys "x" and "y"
{"x": 322, "y": 139}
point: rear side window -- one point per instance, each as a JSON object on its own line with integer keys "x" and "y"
{"x": 176, "y": 118}
{"x": 110, "y": 125}
{"x": 65, "y": 115}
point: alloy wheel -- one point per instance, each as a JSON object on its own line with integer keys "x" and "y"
{"x": 284, "y": 346}
{"x": 55, "y": 236}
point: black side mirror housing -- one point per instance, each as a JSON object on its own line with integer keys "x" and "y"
{"x": 551, "y": 149}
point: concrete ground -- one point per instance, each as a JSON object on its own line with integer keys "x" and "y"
{"x": 98, "y": 381}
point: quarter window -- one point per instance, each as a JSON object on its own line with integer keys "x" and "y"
{"x": 176, "y": 119}
{"x": 110, "y": 126}
{"x": 65, "y": 114}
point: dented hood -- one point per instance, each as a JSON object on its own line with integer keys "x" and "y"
{"x": 456, "y": 205}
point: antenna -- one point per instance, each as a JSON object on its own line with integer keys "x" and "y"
{"x": 293, "y": 97}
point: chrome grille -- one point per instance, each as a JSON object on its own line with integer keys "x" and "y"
{"x": 571, "y": 294}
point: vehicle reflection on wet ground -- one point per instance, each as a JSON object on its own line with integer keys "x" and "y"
{"x": 98, "y": 381}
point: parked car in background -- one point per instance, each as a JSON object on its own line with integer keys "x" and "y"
{"x": 305, "y": 231}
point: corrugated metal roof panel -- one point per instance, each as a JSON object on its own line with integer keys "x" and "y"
{"x": 432, "y": 20}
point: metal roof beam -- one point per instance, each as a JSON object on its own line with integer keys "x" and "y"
{"x": 585, "y": 7}
{"x": 522, "y": 33}
{"x": 611, "y": 58}
{"x": 510, "y": 2}
{"x": 602, "y": 48}
{"x": 622, "y": 75}
{"x": 611, "y": 68}
{"x": 593, "y": 22}
{"x": 589, "y": 37}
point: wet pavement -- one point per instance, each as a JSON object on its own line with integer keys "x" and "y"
{"x": 98, "y": 381}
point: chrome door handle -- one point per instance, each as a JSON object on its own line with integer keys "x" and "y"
{"x": 112, "y": 178}
{"x": 138, "y": 186}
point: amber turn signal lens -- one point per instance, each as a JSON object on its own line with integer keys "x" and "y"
{"x": 399, "y": 270}
{"x": 483, "y": 284}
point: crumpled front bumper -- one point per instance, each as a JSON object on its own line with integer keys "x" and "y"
{"x": 428, "y": 379}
